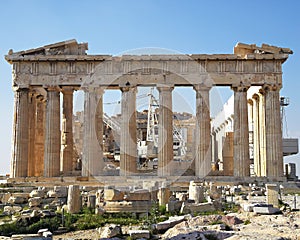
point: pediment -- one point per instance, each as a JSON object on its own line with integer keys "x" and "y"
{"x": 70, "y": 47}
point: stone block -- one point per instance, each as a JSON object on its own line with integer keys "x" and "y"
{"x": 17, "y": 200}
{"x": 12, "y": 210}
{"x": 272, "y": 194}
{"x": 5, "y": 197}
{"x": 58, "y": 192}
{"x": 21, "y": 195}
{"x": 197, "y": 208}
{"x": 163, "y": 195}
{"x": 165, "y": 225}
{"x": 128, "y": 206}
{"x": 110, "y": 231}
{"x": 91, "y": 203}
{"x": 38, "y": 193}
{"x": 139, "y": 234}
{"x": 138, "y": 195}
{"x": 150, "y": 185}
{"x": 182, "y": 196}
{"x": 35, "y": 201}
{"x": 173, "y": 206}
{"x": 188, "y": 236}
{"x": 196, "y": 192}
{"x": 266, "y": 210}
{"x": 231, "y": 220}
{"x": 113, "y": 195}
{"x": 248, "y": 207}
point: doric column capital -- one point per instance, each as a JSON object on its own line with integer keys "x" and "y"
{"x": 67, "y": 89}
{"x": 163, "y": 87}
{"x": 255, "y": 97}
{"x": 271, "y": 87}
{"x": 202, "y": 87}
{"x": 20, "y": 89}
{"x": 128, "y": 88}
{"x": 240, "y": 87}
{"x": 32, "y": 90}
{"x": 50, "y": 88}
{"x": 41, "y": 98}
{"x": 93, "y": 89}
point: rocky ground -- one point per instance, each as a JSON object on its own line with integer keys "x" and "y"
{"x": 233, "y": 226}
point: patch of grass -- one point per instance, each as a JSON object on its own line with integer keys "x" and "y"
{"x": 247, "y": 222}
{"x": 231, "y": 207}
{"x": 6, "y": 185}
{"x": 51, "y": 223}
{"x": 89, "y": 221}
{"x": 216, "y": 222}
{"x": 4, "y": 218}
{"x": 10, "y": 228}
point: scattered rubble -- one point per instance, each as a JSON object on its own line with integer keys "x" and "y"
{"x": 234, "y": 212}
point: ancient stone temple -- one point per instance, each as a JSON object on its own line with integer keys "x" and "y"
{"x": 42, "y": 75}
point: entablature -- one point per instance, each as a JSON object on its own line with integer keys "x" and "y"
{"x": 66, "y": 63}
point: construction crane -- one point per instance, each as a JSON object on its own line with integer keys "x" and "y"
{"x": 152, "y": 125}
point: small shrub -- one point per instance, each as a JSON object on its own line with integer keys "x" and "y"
{"x": 162, "y": 209}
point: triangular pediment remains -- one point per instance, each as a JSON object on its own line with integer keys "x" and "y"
{"x": 69, "y": 47}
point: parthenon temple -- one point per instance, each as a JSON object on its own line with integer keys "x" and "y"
{"x": 43, "y": 75}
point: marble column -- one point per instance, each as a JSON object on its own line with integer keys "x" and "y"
{"x": 92, "y": 156}
{"x": 274, "y": 156}
{"x": 165, "y": 131}
{"x": 67, "y": 152}
{"x": 241, "y": 133}
{"x": 39, "y": 140}
{"x": 31, "y": 129}
{"x": 19, "y": 163}
{"x": 128, "y": 141}
{"x": 262, "y": 133}
{"x": 203, "y": 153}
{"x": 52, "y": 133}
{"x": 256, "y": 135}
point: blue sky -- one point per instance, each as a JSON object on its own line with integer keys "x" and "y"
{"x": 112, "y": 27}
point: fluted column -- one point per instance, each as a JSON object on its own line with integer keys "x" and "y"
{"x": 274, "y": 156}
{"x": 92, "y": 156}
{"x": 52, "y": 134}
{"x": 39, "y": 142}
{"x": 32, "y": 129}
{"x": 128, "y": 141}
{"x": 262, "y": 133}
{"x": 241, "y": 133}
{"x": 165, "y": 131}
{"x": 256, "y": 136}
{"x": 19, "y": 162}
{"x": 202, "y": 132}
{"x": 67, "y": 152}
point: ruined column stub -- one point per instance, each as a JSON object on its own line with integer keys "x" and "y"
{"x": 272, "y": 194}
{"x": 67, "y": 63}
